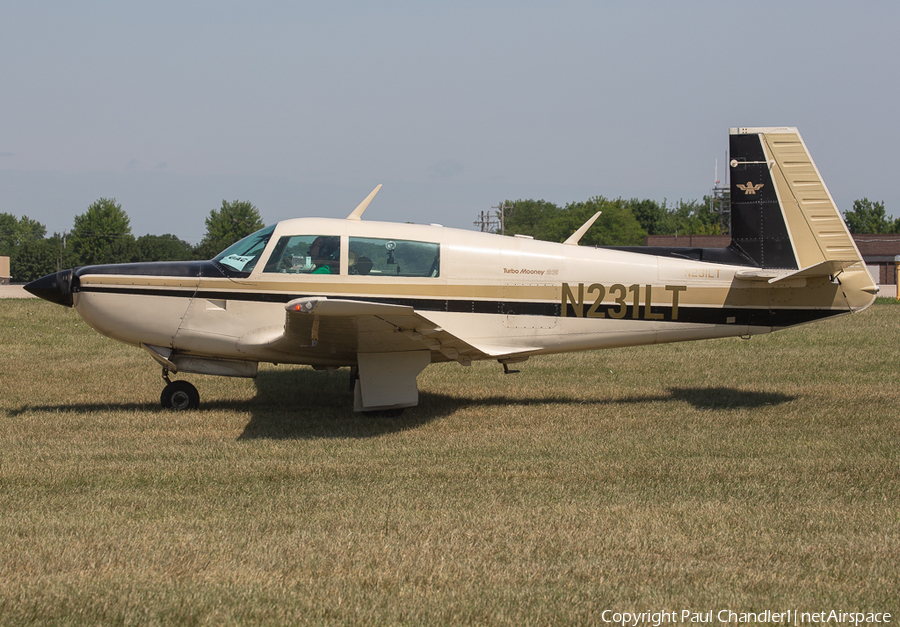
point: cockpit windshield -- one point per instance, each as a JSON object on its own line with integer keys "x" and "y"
{"x": 244, "y": 255}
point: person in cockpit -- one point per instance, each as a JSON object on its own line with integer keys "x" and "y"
{"x": 325, "y": 252}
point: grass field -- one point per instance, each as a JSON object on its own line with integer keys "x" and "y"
{"x": 726, "y": 474}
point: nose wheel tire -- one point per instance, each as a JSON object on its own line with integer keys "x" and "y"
{"x": 180, "y": 395}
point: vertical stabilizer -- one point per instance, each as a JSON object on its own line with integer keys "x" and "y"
{"x": 782, "y": 214}
{"x": 758, "y": 227}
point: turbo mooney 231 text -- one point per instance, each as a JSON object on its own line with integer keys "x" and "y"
{"x": 388, "y": 299}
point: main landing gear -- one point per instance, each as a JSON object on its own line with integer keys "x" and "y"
{"x": 178, "y": 395}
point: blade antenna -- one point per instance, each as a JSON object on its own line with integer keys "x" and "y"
{"x": 357, "y": 213}
{"x": 574, "y": 237}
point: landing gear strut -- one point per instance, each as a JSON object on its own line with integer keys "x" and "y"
{"x": 178, "y": 395}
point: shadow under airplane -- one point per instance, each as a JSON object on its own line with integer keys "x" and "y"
{"x": 306, "y": 404}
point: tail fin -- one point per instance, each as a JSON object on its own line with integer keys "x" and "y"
{"x": 784, "y": 224}
{"x": 782, "y": 215}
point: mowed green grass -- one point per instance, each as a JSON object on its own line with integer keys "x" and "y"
{"x": 726, "y": 474}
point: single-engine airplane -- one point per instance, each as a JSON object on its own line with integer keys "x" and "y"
{"x": 388, "y": 299}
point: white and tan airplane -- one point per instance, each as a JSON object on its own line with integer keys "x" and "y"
{"x": 388, "y": 299}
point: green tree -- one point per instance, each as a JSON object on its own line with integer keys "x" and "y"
{"x": 102, "y": 234}
{"x": 531, "y": 217}
{"x": 14, "y": 231}
{"x": 9, "y": 229}
{"x": 690, "y": 217}
{"x": 33, "y": 259}
{"x": 616, "y": 225}
{"x": 31, "y": 229}
{"x": 544, "y": 220}
{"x": 870, "y": 217}
{"x": 650, "y": 214}
{"x": 163, "y": 248}
{"x": 233, "y": 221}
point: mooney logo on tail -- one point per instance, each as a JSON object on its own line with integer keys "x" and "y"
{"x": 750, "y": 188}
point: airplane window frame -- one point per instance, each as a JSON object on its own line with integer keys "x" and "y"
{"x": 304, "y": 262}
{"x": 391, "y": 252}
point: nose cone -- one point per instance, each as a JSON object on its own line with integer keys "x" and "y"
{"x": 57, "y": 287}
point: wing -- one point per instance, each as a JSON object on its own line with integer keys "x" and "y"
{"x": 344, "y": 328}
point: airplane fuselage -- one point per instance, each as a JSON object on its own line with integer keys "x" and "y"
{"x": 539, "y": 297}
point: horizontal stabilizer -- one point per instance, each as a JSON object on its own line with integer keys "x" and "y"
{"x": 826, "y": 268}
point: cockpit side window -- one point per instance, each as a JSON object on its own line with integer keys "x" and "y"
{"x": 394, "y": 257}
{"x": 244, "y": 255}
{"x": 306, "y": 254}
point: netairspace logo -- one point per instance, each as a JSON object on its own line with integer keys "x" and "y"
{"x": 786, "y": 617}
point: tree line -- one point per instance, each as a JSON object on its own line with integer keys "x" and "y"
{"x": 628, "y": 222}
{"x": 102, "y": 234}
{"x": 621, "y": 223}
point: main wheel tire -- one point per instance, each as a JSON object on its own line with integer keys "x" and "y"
{"x": 180, "y": 395}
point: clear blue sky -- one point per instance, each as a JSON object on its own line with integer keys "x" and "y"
{"x": 302, "y": 107}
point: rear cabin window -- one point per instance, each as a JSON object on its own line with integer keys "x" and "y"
{"x": 393, "y": 257}
{"x": 306, "y": 254}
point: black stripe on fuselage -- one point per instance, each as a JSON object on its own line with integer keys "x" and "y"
{"x": 686, "y": 314}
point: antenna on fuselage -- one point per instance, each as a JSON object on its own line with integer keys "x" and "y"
{"x": 574, "y": 237}
{"x": 357, "y": 213}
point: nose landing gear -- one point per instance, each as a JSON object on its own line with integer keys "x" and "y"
{"x": 178, "y": 395}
